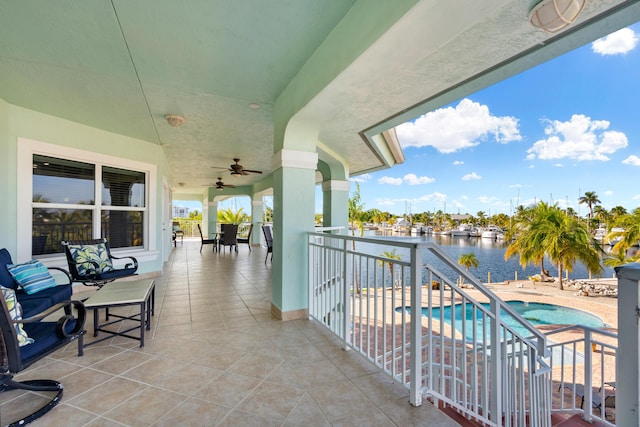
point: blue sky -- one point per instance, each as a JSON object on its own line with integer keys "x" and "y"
{"x": 551, "y": 133}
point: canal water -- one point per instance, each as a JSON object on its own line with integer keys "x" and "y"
{"x": 490, "y": 254}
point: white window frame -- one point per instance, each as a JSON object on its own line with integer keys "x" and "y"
{"x": 25, "y": 205}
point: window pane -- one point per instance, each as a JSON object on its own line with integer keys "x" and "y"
{"x": 123, "y": 229}
{"x": 52, "y": 226}
{"x": 121, "y": 187}
{"x": 62, "y": 181}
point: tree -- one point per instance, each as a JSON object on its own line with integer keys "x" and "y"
{"x": 391, "y": 255}
{"x": 356, "y": 210}
{"x": 468, "y": 260}
{"x": 554, "y": 233}
{"x": 590, "y": 199}
{"x": 630, "y": 224}
{"x": 228, "y": 216}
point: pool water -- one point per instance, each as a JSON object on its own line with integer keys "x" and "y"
{"x": 536, "y": 313}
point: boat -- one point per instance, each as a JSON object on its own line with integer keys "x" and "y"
{"x": 461, "y": 231}
{"x": 492, "y": 232}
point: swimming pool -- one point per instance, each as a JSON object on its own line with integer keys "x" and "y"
{"x": 536, "y": 313}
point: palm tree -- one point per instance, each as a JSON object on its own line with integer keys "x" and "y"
{"x": 590, "y": 199}
{"x": 630, "y": 223}
{"x": 228, "y": 216}
{"x": 529, "y": 236}
{"x": 467, "y": 261}
{"x": 567, "y": 241}
{"x": 391, "y": 255}
{"x": 355, "y": 219}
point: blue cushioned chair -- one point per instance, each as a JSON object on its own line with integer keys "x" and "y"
{"x": 47, "y": 337}
{"x": 41, "y": 300}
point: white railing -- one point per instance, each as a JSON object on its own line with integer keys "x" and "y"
{"x": 437, "y": 340}
{"x": 583, "y": 364}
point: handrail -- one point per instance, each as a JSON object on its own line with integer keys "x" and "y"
{"x": 478, "y": 365}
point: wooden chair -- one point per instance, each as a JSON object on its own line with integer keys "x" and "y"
{"x": 266, "y": 230}
{"x": 91, "y": 263}
{"x": 43, "y": 338}
{"x": 247, "y": 239}
{"x": 204, "y": 241}
{"x": 229, "y": 236}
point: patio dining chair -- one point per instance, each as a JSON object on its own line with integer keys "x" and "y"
{"x": 204, "y": 241}
{"x": 246, "y": 239}
{"x": 266, "y": 230}
{"x": 229, "y": 236}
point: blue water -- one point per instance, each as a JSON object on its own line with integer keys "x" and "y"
{"x": 490, "y": 254}
{"x": 538, "y": 314}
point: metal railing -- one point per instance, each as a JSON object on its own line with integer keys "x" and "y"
{"x": 583, "y": 363}
{"x": 436, "y": 340}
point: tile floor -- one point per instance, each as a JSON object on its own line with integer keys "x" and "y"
{"x": 216, "y": 357}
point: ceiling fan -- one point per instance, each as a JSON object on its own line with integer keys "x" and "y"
{"x": 221, "y": 185}
{"x": 237, "y": 169}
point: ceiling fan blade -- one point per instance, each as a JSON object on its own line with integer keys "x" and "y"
{"x": 251, "y": 171}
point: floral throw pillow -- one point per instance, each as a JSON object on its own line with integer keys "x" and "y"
{"x": 15, "y": 310}
{"x": 31, "y": 276}
{"x": 84, "y": 255}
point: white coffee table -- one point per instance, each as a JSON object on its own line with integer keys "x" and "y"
{"x": 121, "y": 294}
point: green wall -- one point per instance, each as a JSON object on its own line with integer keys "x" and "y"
{"x": 17, "y": 122}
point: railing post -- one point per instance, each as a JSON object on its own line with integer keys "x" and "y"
{"x": 495, "y": 402}
{"x": 347, "y": 297}
{"x": 627, "y": 375}
{"x": 415, "y": 393}
{"x": 588, "y": 377}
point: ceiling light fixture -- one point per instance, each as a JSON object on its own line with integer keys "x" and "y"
{"x": 554, "y": 15}
{"x": 174, "y": 120}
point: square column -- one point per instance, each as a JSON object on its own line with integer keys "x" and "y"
{"x": 256, "y": 220}
{"x": 335, "y": 198}
{"x": 293, "y": 217}
{"x": 627, "y": 373}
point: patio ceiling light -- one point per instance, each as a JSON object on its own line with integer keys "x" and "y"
{"x": 554, "y": 15}
{"x": 174, "y": 120}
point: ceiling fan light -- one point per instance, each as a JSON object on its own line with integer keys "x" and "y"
{"x": 554, "y": 15}
{"x": 174, "y": 120}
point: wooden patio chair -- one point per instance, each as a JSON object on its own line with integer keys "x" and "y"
{"x": 229, "y": 236}
{"x": 266, "y": 230}
{"x": 246, "y": 239}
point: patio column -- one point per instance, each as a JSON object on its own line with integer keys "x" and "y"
{"x": 256, "y": 220}
{"x": 335, "y": 201}
{"x": 293, "y": 217}
{"x": 210, "y": 221}
{"x": 627, "y": 373}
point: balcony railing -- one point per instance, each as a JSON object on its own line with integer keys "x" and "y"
{"x": 415, "y": 322}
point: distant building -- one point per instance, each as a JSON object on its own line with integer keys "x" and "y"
{"x": 181, "y": 212}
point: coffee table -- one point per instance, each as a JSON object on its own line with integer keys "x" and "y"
{"x": 122, "y": 294}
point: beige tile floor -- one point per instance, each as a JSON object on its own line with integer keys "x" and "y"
{"x": 216, "y": 357}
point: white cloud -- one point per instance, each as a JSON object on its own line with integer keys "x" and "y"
{"x": 412, "y": 179}
{"x": 451, "y": 129}
{"x": 618, "y": 43}
{"x": 632, "y": 160}
{"x": 579, "y": 139}
{"x": 471, "y": 176}
{"x": 458, "y": 163}
{"x": 390, "y": 180}
{"x": 433, "y": 197}
{"x": 516, "y": 186}
{"x": 636, "y": 197}
{"x": 559, "y": 165}
{"x": 608, "y": 193}
{"x": 361, "y": 178}
{"x": 385, "y": 202}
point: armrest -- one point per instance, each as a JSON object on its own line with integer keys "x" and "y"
{"x": 133, "y": 259}
{"x": 95, "y": 267}
{"x": 62, "y": 321}
{"x": 66, "y": 273}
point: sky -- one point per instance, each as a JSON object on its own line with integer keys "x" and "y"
{"x": 551, "y": 133}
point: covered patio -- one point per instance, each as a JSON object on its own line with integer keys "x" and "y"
{"x": 217, "y": 356}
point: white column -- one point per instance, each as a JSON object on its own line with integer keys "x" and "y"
{"x": 627, "y": 373}
{"x": 256, "y": 220}
{"x": 335, "y": 197}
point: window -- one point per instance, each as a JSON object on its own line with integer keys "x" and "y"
{"x": 79, "y": 200}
